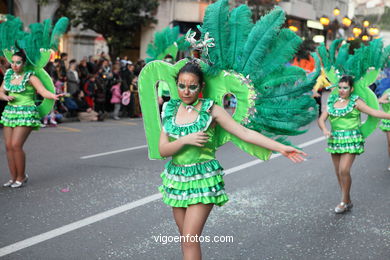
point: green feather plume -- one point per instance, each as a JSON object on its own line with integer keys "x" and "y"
{"x": 333, "y": 48}
{"x": 282, "y": 50}
{"x": 259, "y": 40}
{"x": 10, "y": 32}
{"x": 240, "y": 23}
{"x": 59, "y": 29}
{"x": 162, "y": 41}
{"x": 216, "y": 23}
{"x": 342, "y": 56}
{"x": 323, "y": 53}
{"x": 47, "y": 28}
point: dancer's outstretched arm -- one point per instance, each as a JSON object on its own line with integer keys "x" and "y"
{"x": 360, "y": 105}
{"x": 37, "y": 84}
{"x": 227, "y": 122}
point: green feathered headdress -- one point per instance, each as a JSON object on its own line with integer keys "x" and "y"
{"x": 166, "y": 42}
{"x": 36, "y": 43}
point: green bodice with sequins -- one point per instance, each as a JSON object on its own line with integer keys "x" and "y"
{"x": 346, "y": 118}
{"x": 24, "y": 93}
{"x": 190, "y": 154}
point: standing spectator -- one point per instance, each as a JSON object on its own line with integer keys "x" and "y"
{"x": 127, "y": 75}
{"x": 135, "y": 110}
{"x": 89, "y": 90}
{"x": 100, "y": 99}
{"x": 116, "y": 99}
{"x": 64, "y": 58}
{"x": 91, "y": 64}
{"x": 73, "y": 81}
{"x": 83, "y": 71}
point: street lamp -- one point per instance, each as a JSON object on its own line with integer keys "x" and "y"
{"x": 365, "y": 38}
{"x": 346, "y": 21}
{"x": 336, "y": 11}
{"x": 373, "y": 31}
{"x": 324, "y": 21}
{"x": 293, "y": 28}
{"x": 356, "y": 31}
{"x": 366, "y": 23}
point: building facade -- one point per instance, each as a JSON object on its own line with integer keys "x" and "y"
{"x": 302, "y": 14}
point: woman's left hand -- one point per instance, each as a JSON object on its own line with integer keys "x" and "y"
{"x": 293, "y": 154}
{"x": 56, "y": 97}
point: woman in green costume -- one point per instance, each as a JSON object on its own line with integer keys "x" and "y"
{"x": 192, "y": 180}
{"x": 21, "y": 115}
{"x": 345, "y": 141}
{"x": 385, "y": 126}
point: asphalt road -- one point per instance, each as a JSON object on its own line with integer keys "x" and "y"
{"x": 99, "y": 207}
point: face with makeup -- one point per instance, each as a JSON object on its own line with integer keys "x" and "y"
{"x": 17, "y": 64}
{"x": 345, "y": 90}
{"x": 188, "y": 87}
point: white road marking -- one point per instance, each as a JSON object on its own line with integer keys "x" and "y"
{"x": 112, "y": 152}
{"x": 115, "y": 211}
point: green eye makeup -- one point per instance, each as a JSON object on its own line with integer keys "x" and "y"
{"x": 18, "y": 62}
{"x": 344, "y": 88}
{"x": 191, "y": 87}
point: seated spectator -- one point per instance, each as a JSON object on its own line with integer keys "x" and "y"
{"x": 85, "y": 113}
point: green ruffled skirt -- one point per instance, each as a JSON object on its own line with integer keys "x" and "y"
{"x": 346, "y": 141}
{"x": 185, "y": 185}
{"x": 14, "y": 116}
{"x": 385, "y": 126}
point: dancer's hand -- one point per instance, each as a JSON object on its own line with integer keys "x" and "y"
{"x": 56, "y": 97}
{"x": 293, "y": 154}
{"x": 326, "y": 133}
{"x": 197, "y": 139}
{"x": 9, "y": 98}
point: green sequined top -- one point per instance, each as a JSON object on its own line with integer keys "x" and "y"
{"x": 24, "y": 93}
{"x": 190, "y": 154}
{"x": 346, "y": 118}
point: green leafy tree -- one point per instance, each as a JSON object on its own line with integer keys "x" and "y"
{"x": 117, "y": 20}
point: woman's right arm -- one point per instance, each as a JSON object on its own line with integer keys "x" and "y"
{"x": 3, "y": 96}
{"x": 167, "y": 148}
{"x": 321, "y": 123}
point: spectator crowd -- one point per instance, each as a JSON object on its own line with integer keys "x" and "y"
{"x": 94, "y": 87}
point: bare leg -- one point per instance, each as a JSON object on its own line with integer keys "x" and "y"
{"x": 346, "y": 162}
{"x": 336, "y": 163}
{"x": 195, "y": 218}
{"x": 7, "y": 131}
{"x": 19, "y": 137}
{"x": 179, "y": 215}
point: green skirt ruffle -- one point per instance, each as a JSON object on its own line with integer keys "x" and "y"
{"x": 14, "y": 116}
{"x": 346, "y": 141}
{"x": 184, "y": 185}
{"x": 385, "y": 126}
